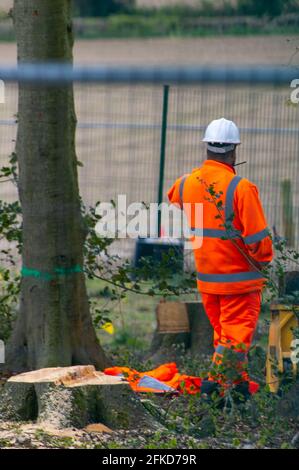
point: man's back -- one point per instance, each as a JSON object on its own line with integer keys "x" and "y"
{"x": 233, "y": 229}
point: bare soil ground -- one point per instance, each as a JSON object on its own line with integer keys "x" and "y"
{"x": 6, "y": 5}
{"x": 271, "y": 50}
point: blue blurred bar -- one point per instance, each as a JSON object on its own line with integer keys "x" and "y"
{"x": 53, "y": 73}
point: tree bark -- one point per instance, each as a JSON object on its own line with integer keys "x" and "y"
{"x": 54, "y": 325}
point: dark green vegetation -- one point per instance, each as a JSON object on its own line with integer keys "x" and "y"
{"x": 102, "y": 8}
{"x": 163, "y": 24}
{"x": 204, "y": 7}
{"x": 122, "y": 19}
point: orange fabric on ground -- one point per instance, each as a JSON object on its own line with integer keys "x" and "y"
{"x": 185, "y": 383}
{"x": 167, "y": 374}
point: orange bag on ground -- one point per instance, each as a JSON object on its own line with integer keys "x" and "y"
{"x": 163, "y": 379}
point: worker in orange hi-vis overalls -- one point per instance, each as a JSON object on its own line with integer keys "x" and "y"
{"x": 234, "y": 242}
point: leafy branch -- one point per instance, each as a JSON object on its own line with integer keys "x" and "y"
{"x": 99, "y": 261}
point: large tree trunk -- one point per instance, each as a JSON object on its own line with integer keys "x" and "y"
{"x": 54, "y": 325}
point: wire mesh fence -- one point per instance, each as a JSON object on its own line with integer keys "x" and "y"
{"x": 119, "y": 136}
{"x": 118, "y": 141}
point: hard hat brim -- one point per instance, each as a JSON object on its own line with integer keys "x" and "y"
{"x": 220, "y": 142}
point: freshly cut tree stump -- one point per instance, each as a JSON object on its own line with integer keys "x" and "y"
{"x": 180, "y": 325}
{"x": 73, "y": 397}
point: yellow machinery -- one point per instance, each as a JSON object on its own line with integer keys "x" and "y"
{"x": 283, "y": 320}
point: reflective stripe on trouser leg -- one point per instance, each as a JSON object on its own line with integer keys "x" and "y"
{"x": 220, "y": 351}
{"x": 235, "y": 366}
{"x": 240, "y": 366}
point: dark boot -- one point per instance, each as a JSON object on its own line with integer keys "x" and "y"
{"x": 240, "y": 392}
{"x": 208, "y": 387}
{"x": 210, "y": 393}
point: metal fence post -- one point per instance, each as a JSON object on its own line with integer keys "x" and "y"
{"x": 162, "y": 151}
{"x": 287, "y": 212}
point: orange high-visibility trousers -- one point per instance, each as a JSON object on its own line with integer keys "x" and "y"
{"x": 234, "y": 319}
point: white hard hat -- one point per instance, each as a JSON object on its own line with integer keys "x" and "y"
{"x": 222, "y": 131}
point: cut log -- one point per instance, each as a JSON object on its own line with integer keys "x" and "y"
{"x": 73, "y": 397}
{"x": 181, "y": 326}
{"x": 74, "y": 376}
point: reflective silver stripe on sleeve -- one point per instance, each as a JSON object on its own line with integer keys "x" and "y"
{"x": 225, "y": 233}
{"x": 208, "y": 232}
{"x": 215, "y": 233}
{"x": 220, "y": 349}
{"x": 256, "y": 237}
{"x": 229, "y": 202}
{"x": 230, "y": 277}
{"x": 181, "y": 188}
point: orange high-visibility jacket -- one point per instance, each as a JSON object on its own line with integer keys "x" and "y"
{"x": 235, "y": 238}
